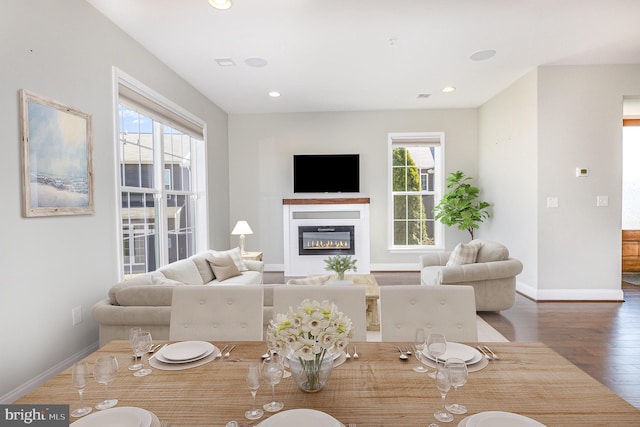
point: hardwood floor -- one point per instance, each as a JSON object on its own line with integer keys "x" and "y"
{"x": 601, "y": 338}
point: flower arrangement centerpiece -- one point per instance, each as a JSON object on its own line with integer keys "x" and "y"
{"x": 340, "y": 264}
{"x": 310, "y": 336}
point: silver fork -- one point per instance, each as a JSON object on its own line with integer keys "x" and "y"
{"x": 346, "y": 350}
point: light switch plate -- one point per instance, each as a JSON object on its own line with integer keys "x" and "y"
{"x": 552, "y": 202}
{"x": 602, "y": 201}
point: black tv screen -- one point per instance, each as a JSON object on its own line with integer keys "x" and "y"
{"x": 326, "y": 173}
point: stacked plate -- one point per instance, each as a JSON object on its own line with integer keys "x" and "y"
{"x": 470, "y": 355}
{"x": 186, "y": 352}
{"x": 121, "y": 417}
{"x": 499, "y": 419}
{"x": 301, "y": 417}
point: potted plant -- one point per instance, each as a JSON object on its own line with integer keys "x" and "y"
{"x": 460, "y": 205}
{"x": 340, "y": 264}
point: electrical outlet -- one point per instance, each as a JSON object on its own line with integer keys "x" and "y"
{"x": 76, "y": 315}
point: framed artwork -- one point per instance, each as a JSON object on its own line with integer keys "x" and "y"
{"x": 57, "y": 171}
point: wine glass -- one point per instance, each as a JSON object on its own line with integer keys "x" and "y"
{"x": 458, "y": 376}
{"x": 272, "y": 371}
{"x": 79, "y": 375}
{"x": 105, "y": 372}
{"x": 253, "y": 382}
{"x": 443, "y": 383}
{"x": 437, "y": 346}
{"x": 142, "y": 343}
{"x": 419, "y": 341}
{"x": 135, "y": 365}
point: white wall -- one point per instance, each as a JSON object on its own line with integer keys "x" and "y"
{"x": 508, "y": 177}
{"x": 580, "y": 125}
{"x": 261, "y": 149}
{"x": 65, "y": 50}
{"x": 573, "y": 251}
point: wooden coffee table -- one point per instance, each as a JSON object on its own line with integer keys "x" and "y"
{"x": 372, "y": 295}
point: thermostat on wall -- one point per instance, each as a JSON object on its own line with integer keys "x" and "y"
{"x": 582, "y": 172}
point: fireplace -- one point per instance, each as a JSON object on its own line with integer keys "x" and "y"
{"x": 326, "y": 240}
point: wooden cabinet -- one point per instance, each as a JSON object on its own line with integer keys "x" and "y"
{"x": 630, "y": 251}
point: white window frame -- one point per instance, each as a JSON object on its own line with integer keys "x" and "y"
{"x": 416, "y": 139}
{"x": 174, "y": 116}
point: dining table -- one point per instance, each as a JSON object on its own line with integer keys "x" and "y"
{"x": 376, "y": 389}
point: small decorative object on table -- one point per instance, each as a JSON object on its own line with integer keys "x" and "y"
{"x": 311, "y": 336}
{"x": 340, "y": 264}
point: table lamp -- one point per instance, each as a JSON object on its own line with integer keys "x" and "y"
{"x": 242, "y": 228}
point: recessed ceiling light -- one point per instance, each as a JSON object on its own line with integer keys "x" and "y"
{"x": 220, "y": 4}
{"x": 225, "y": 62}
{"x": 483, "y": 55}
{"x": 255, "y": 62}
{"x": 448, "y": 89}
{"x": 274, "y": 94}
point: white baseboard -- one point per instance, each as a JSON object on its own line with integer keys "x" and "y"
{"x": 569, "y": 294}
{"x": 41, "y": 378}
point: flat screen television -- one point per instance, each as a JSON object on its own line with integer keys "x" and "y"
{"x": 326, "y": 173}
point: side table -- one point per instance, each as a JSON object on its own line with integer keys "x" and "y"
{"x": 252, "y": 256}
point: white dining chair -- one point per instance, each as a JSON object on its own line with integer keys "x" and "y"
{"x": 350, "y": 299}
{"x": 216, "y": 313}
{"x": 450, "y": 310}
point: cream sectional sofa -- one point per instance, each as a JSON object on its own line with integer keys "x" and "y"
{"x": 145, "y": 300}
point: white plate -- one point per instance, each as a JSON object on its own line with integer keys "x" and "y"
{"x": 186, "y": 350}
{"x": 501, "y": 419}
{"x": 162, "y": 358}
{"x": 301, "y": 417}
{"x": 116, "y": 417}
{"x": 457, "y": 350}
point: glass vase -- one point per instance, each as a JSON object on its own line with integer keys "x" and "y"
{"x": 311, "y": 375}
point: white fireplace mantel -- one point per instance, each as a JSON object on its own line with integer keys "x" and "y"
{"x": 324, "y": 212}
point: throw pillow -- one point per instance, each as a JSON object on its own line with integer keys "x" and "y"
{"x": 223, "y": 267}
{"x": 236, "y": 256}
{"x": 314, "y": 280}
{"x": 463, "y": 254}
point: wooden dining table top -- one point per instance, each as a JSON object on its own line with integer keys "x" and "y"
{"x": 377, "y": 389}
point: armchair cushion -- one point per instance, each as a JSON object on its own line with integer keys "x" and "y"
{"x": 463, "y": 254}
{"x": 490, "y": 251}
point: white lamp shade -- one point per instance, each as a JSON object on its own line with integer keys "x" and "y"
{"x": 242, "y": 227}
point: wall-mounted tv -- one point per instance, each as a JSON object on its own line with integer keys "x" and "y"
{"x": 326, "y": 173}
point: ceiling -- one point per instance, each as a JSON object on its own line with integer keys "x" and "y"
{"x": 360, "y": 55}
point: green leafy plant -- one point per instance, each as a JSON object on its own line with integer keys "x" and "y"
{"x": 340, "y": 264}
{"x": 460, "y": 205}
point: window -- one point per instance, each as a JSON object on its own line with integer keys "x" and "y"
{"x": 415, "y": 185}
{"x": 161, "y": 181}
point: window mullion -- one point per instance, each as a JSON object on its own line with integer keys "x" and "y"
{"x": 160, "y": 193}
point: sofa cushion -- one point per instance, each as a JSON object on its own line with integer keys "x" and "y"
{"x": 201, "y": 260}
{"x": 223, "y": 267}
{"x": 184, "y": 271}
{"x": 314, "y": 280}
{"x": 235, "y": 255}
{"x": 246, "y": 278}
{"x": 463, "y": 254}
{"x": 139, "y": 280}
{"x": 490, "y": 251}
{"x": 158, "y": 295}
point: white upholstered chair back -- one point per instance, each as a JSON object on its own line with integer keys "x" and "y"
{"x": 350, "y": 299}
{"x": 216, "y": 313}
{"x": 450, "y": 310}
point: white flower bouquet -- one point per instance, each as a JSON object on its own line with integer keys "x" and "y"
{"x": 309, "y": 333}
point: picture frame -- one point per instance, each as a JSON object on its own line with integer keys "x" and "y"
{"x": 57, "y": 164}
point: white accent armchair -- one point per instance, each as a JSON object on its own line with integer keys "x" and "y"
{"x": 492, "y": 275}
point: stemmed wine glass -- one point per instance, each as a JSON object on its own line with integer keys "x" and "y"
{"x": 458, "y": 376}
{"x": 443, "y": 383}
{"x": 105, "y": 372}
{"x": 419, "y": 341}
{"x": 142, "y": 343}
{"x": 253, "y": 382}
{"x": 272, "y": 370}
{"x": 79, "y": 375}
{"x": 437, "y": 346}
{"x": 135, "y": 365}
